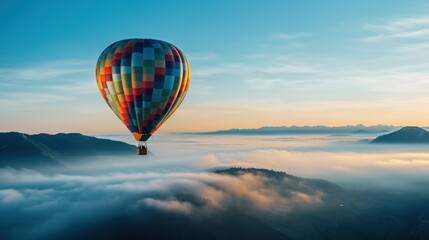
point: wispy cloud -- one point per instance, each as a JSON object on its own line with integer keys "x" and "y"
{"x": 289, "y": 36}
{"x": 10, "y": 196}
{"x": 46, "y": 71}
{"x": 400, "y": 24}
{"x": 26, "y": 98}
{"x": 277, "y": 112}
{"x": 416, "y": 47}
{"x": 202, "y": 56}
{"x": 85, "y": 86}
{"x": 284, "y": 41}
{"x": 290, "y": 68}
{"x": 205, "y": 72}
{"x": 281, "y": 47}
{"x": 36, "y": 73}
{"x": 46, "y": 82}
{"x": 399, "y": 29}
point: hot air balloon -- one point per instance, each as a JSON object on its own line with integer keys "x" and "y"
{"x": 143, "y": 81}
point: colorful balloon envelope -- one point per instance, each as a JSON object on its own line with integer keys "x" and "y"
{"x": 143, "y": 81}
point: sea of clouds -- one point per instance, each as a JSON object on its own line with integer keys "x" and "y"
{"x": 177, "y": 178}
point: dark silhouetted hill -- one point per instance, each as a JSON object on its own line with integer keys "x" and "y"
{"x": 24, "y": 150}
{"x": 405, "y": 135}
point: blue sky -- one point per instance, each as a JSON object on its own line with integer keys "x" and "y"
{"x": 254, "y": 63}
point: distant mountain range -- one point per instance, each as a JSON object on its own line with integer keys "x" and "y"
{"x": 24, "y": 150}
{"x": 355, "y": 129}
{"x": 404, "y": 135}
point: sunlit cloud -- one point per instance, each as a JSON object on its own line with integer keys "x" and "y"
{"x": 168, "y": 205}
{"x": 339, "y": 166}
{"x": 64, "y": 198}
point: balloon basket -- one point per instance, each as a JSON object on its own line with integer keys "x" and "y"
{"x": 141, "y": 148}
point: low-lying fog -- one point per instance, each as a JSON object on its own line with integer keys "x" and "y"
{"x": 111, "y": 197}
{"x": 348, "y": 160}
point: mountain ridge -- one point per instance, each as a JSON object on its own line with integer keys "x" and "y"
{"x": 408, "y": 134}
{"x": 318, "y": 129}
{"x": 26, "y": 150}
{"x": 280, "y": 175}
